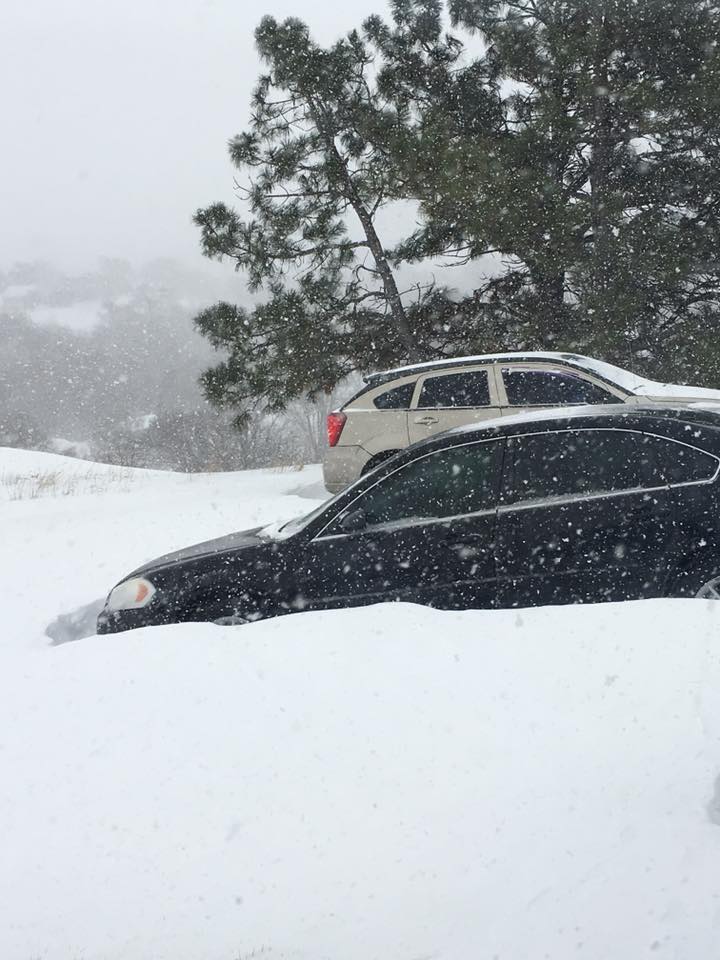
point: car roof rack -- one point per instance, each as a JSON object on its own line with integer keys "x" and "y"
{"x": 573, "y": 360}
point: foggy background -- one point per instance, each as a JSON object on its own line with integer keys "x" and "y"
{"x": 116, "y": 117}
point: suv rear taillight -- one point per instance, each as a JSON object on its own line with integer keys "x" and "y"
{"x": 335, "y": 424}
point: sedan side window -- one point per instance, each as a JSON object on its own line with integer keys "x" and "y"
{"x": 579, "y": 462}
{"x": 449, "y": 483}
{"x": 455, "y": 390}
{"x": 682, "y": 464}
{"x": 539, "y": 388}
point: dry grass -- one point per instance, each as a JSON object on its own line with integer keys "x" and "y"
{"x": 55, "y": 483}
{"x": 288, "y": 468}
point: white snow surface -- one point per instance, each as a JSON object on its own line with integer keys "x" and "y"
{"x": 391, "y": 782}
{"x": 640, "y": 386}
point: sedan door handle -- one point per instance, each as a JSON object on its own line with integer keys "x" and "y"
{"x": 427, "y": 421}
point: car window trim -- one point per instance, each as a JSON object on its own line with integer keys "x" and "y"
{"x": 504, "y": 508}
{"x": 427, "y": 520}
{"x": 473, "y": 406}
{"x": 399, "y": 386}
{"x": 368, "y": 393}
{"x": 612, "y": 389}
{"x": 493, "y": 395}
{"x": 407, "y": 522}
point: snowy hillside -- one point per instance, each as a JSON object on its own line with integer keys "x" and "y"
{"x": 75, "y": 527}
{"x": 391, "y": 782}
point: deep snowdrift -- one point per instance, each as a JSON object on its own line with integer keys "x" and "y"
{"x": 391, "y": 782}
{"x": 64, "y": 546}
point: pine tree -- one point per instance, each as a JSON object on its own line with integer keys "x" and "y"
{"x": 580, "y": 148}
{"x": 577, "y": 144}
{"x": 319, "y": 172}
{"x": 487, "y": 179}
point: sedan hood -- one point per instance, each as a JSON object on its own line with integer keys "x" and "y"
{"x": 233, "y": 541}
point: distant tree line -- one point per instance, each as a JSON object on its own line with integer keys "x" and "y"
{"x": 208, "y": 440}
{"x": 125, "y": 391}
{"x": 566, "y": 150}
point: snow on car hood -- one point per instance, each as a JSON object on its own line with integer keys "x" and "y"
{"x": 641, "y": 386}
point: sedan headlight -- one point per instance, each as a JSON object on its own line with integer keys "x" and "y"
{"x": 131, "y": 595}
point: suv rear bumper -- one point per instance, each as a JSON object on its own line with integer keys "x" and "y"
{"x": 342, "y": 466}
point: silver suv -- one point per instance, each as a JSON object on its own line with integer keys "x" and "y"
{"x": 398, "y": 407}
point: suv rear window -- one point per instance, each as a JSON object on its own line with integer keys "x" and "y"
{"x": 538, "y": 388}
{"x": 396, "y": 399}
{"x": 456, "y": 390}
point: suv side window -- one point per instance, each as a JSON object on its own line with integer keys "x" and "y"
{"x": 398, "y": 398}
{"x": 468, "y": 389}
{"x": 538, "y": 388}
{"x": 449, "y": 483}
{"x": 682, "y": 464}
{"x": 578, "y": 463}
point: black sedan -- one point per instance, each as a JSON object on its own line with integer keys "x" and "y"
{"x": 567, "y": 506}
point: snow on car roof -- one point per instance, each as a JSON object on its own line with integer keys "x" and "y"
{"x": 552, "y": 414}
{"x": 613, "y": 411}
{"x": 626, "y": 379}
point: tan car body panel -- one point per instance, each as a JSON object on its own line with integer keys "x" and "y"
{"x": 373, "y": 429}
{"x": 369, "y": 431}
{"x": 439, "y": 419}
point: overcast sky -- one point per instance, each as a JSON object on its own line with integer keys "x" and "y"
{"x": 116, "y": 115}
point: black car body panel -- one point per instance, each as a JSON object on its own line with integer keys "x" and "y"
{"x": 569, "y": 506}
{"x": 208, "y": 548}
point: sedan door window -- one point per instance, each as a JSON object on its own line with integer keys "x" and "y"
{"x": 579, "y": 463}
{"x": 453, "y": 482}
{"x": 540, "y": 388}
{"x": 586, "y": 515}
{"x": 681, "y": 463}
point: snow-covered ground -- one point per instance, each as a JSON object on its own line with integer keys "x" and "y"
{"x": 390, "y": 782}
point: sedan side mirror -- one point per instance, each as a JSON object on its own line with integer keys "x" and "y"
{"x": 354, "y": 521}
